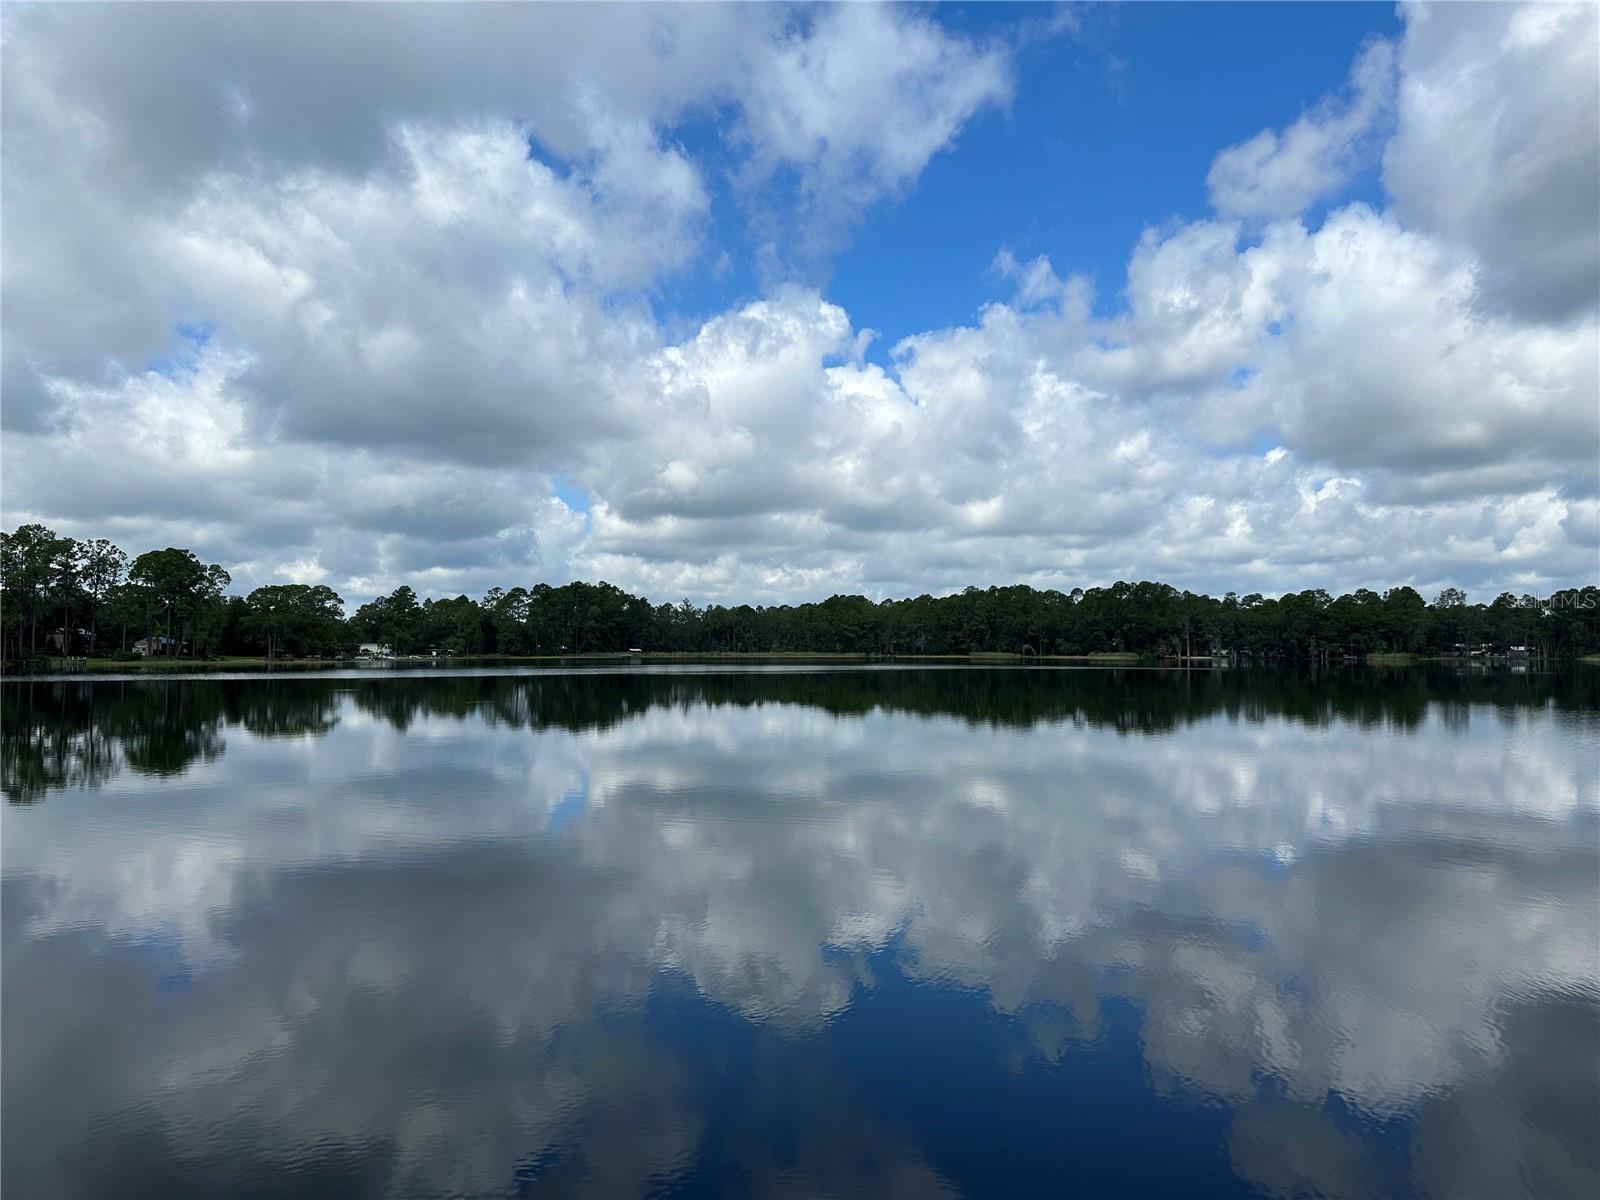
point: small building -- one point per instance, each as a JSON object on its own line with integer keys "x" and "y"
{"x": 82, "y": 639}
{"x": 160, "y": 644}
{"x": 374, "y": 650}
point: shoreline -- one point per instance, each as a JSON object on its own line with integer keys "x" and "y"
{"x": 97, "y": 668}
{"x": 111, "y": 666}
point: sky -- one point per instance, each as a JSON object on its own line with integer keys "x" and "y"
{"x": 759, "y": 303}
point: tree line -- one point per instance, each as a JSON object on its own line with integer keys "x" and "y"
{"x": 64, "y": 596}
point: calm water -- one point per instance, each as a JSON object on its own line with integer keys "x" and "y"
{"x": 853, "y": 932}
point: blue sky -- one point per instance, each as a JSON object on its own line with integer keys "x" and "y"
{"x": 761, "y": 303}
{"x": 1111, "y": 129}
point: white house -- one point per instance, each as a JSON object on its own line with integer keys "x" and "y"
{"x": 373, "y": 650}
{"x": 160, "y": 644}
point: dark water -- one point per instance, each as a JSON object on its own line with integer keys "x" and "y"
{"x": 856, "y": 932}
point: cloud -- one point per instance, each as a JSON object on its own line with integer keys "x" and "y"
{"x": 1384, "y": 362}
{"x": 856, "y": 100}
{"x": 1277, "y": 175}
{"x": 374, "y": 320}
{"x": 1497, "y": 147}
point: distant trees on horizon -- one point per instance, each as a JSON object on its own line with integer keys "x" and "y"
{"x": 59, "y": 595}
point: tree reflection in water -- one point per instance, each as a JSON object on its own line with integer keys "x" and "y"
{"x": 78, "y": 733}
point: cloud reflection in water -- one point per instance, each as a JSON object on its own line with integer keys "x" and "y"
{"x": 597, "y": 934}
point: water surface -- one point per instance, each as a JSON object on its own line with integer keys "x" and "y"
{"x": 849, "y": 931}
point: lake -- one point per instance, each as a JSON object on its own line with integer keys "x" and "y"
{"x": 802, "y": 931}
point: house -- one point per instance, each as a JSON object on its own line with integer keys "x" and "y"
{"x": 82, "y": 639}
{"x": 161, "y": 644}
{"x": 374, "y": 650}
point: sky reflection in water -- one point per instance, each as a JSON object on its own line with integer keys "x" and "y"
{"x": 967, "y": 932}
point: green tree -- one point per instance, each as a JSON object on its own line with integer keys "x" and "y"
{"x": 395, "y": 620}
{"x": 1404, "y": 619}
{"x": 29, "y": 571}
{"x": 169, "y": 576}
{"x": 181, "y": 589}
{"x": 295, "y": 618}
{"x": 103, "y": 569}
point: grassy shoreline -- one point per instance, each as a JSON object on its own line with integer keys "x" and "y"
{"x": 104, "y": 666}
{"x": 156, "y": 666}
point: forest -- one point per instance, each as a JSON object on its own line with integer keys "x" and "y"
{"x": 62, "y": 596}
